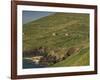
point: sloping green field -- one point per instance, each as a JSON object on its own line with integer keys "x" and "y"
{"x": 78, "y": 59}
{"x": 60, "y": 31}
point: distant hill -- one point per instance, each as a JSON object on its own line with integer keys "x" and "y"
{"x": 61, "y": 31}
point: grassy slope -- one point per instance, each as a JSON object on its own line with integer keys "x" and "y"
{"x": 78, "y": 59}
{"x": 39, "y": 33}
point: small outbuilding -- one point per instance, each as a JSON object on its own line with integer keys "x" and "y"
{"x": 66, "y": 34}
{"x": 54, "y": 34}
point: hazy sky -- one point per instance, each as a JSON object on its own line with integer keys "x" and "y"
{"x": 28, "y": 16}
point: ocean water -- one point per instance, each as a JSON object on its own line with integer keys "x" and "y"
{"x": 29, "y": 64}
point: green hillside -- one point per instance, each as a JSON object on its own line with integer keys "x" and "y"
{"x": 60, "y": 34}
{"x": 78, "y": 59}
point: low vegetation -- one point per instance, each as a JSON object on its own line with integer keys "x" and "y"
{"x": 62, "y": 39}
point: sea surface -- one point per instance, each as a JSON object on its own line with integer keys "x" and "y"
{"x": 29, "y": 64}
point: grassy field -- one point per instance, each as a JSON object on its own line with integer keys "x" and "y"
{"x": 58, "y": 33}
{"x": 78, "y": 59}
